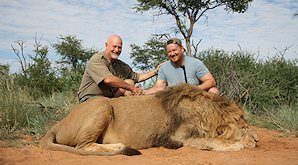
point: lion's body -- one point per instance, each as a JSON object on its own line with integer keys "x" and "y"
{"x": 178, "y": 116}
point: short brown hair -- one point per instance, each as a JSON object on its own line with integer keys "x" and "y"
{"x": 174, "y": 41}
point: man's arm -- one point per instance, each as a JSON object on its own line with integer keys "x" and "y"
{"x": 145, "y": 76}
{"x": 119, "y": 83}
{"x": 207, "y": 81}
{"x": 160, "y": 85}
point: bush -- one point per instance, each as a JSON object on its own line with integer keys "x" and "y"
{"x": 257, "y": 85}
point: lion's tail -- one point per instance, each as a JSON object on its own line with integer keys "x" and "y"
{"x": 48, "y": 142}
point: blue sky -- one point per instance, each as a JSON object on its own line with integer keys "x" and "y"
{"x": 267, "y": 26}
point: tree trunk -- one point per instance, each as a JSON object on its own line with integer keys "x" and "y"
{"x": 188, "y": 47}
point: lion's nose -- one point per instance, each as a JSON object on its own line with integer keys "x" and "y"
{"x": 256, "y": 138}
{"x": 256, "y": 142}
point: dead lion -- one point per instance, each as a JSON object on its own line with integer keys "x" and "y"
{"x": 179, "y": 116}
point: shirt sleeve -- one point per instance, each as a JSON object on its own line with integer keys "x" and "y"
{"x": 201, "y": 70}
{"x": 124, "y": 71}
{"x": 135, "y": 77}
{"x": 97, "y": 69}
{"x": 161, "y": 74}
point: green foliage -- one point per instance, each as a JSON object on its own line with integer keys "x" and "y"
{"x": 70, "y": 79}
{"x": 182, "y": 6}
{"x": 151, "y": 54}
{"x": 72, "y": 52}
{"x": 231, "y": 72}
{"x": 257, "y": 85}
{"x": 281, "y": 80}
{"x": 39, "y": 78}
{"x": 73, "y": 60}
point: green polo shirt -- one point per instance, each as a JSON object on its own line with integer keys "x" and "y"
{"x": 97, "y": 69}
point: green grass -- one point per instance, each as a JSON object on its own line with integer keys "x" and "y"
{"x": 20, "y": 114}
{"x": 283, "y": 118}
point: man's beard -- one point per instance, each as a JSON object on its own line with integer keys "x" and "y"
{"x": 114, "y": 56}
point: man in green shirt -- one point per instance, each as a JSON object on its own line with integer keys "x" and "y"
{"x": 106, "y": 75}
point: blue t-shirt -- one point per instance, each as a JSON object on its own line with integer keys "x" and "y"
{"x": 173, "y": 75}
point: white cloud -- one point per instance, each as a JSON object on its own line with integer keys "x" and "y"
{"x": 265, "y": 26}
{"x": 91, "y": 21}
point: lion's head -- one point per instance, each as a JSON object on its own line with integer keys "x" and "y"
{"x": 233, "y": 133}
{"x": 207, "y": 115}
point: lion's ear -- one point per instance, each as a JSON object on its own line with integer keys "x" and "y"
{"x": 222, "y": 128}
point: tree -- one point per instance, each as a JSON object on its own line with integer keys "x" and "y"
{"x": 20, "y": 54}
{"x": 73, "y": 60}
{"x": 188, "y": 12}
{"x": 150, "y": 54}
{"x": 72, "y": 52}
{"x": 37, "y": 75}
{"x": 41, "y": 75}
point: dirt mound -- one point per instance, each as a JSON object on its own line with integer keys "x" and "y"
{"x": 272, "y": 149}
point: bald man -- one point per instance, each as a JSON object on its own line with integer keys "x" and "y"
{"x": 106, "y": 75}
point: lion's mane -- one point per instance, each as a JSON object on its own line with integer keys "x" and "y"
{"x": 188, "y": 104}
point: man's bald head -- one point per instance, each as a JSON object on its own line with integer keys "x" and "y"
{"x": 113, "y": 38}
{"x": 113, "y": 47}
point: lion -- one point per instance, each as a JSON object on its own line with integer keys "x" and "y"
{"x": 178, "y": 116}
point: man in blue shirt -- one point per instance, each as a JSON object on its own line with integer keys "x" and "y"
{"x": 182, "y": 69}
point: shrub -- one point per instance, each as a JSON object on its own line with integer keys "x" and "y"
{"x": 257, "y": 85}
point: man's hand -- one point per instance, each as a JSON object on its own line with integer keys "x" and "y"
{"x": 137, "y": 91}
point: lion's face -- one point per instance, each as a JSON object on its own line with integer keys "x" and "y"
{"x": 236, "y": 128}
{"x": 249, "y": 138}
{"x": 238, "y": 133}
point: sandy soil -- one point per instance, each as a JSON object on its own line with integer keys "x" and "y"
{"x": 273, "y": 149}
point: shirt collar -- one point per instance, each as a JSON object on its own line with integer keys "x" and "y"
{"x": 106, "y": 59}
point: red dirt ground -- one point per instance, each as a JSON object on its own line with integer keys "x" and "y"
{"x": 273, "y": 149}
